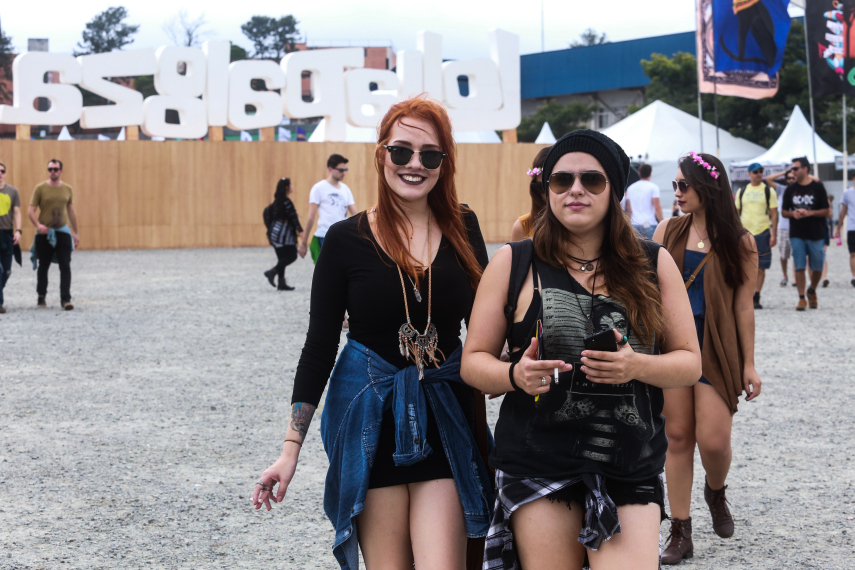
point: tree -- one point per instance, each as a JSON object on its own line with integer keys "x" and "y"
{"x": 589, "y": 37}
{"x": 237, "y": 53}
{"x": 106, "y": 32}
{"x": 6, "y": 57}
{"x": 271, "y": 38}
{"x": 561, "y": 118}
{"x": 184, "y": 31}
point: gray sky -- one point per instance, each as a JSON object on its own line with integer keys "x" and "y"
{"x": 463, "y": 23}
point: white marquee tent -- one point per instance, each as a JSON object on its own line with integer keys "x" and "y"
{"x": 660, "y": 134}
{"x": 545, "y": 136}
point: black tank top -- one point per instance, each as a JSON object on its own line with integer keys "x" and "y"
{"x": 616, "y": 431}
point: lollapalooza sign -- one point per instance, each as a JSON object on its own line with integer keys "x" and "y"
{"x": 210, "y": 91}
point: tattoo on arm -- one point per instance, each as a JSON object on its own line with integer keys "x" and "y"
{"x": 301, "y": 417}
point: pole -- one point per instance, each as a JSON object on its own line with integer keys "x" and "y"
{"x": 700, "y": 118}
{"x": 542, "y": 32}
{"x": 845, "y": 151}
{"x": 810, "y": 95}
{"x": 715, "y": 98}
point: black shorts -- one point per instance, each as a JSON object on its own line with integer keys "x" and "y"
{"x": 642, "y": 493}
{"x": 850, "y": 240}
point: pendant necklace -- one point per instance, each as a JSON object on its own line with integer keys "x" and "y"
{"x": 420, "y": 348}
{"x": 700, "y": 243}
{"x": 589, "y": 323}
{"x": 585, "y": 264}
{"x": 415, "y": 285}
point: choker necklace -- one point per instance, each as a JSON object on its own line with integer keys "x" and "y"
{"x": 419, "y": 348}
{"x": 700, "y": 243}
{"x": 586, "y": 264}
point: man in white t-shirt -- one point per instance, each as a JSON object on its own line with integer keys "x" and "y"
{"x": 330, "y": 201}
{"x": 847, "y": 212}
{"x": 642, "y": 203}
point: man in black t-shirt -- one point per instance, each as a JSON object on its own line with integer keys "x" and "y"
{"x": 806, "y": 205}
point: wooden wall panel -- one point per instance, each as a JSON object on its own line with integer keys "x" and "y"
{"x": 186, "y": 194}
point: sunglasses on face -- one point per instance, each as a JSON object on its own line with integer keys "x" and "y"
{"x": 593, "y": 181}
{"x": 53, "y": 169}
{"x": 681, "y": 184}
{"x": 2, "y": 171}
{"x": 401, "y": 156}
{"x": 342, "y": 170}
{"x": 758, "y": 171}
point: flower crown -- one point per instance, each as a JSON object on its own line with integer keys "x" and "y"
{"x": 710, "y": 168}
{"x": 534, "y": 171}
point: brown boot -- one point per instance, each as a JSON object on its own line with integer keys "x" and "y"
{"x": 722, "y": 520}
{"x": 679, "y": 542}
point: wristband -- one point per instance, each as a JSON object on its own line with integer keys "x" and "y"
{"x": 511, "y": 376}
{"x": 294, "y": 441}
{"x": 18, "y": 231}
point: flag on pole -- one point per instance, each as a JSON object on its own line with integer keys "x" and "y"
{"x": 245, "y": 136}
{"x": 831, "y": 46}
{"x": 740, "y": 46}
{"x": 301, "y": 134}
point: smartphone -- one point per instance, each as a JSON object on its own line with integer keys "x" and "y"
{"x": 603, "y": 341}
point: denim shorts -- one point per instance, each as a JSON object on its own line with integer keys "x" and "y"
{"x": 763, "y": 249}
{"x": 804, "y": 249}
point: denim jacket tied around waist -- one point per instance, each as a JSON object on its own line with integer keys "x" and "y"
{"x": 361, "y": 386}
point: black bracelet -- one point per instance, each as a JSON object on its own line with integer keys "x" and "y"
{"x": 511, "y": 375}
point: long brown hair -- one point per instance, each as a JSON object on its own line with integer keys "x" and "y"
{"x": 626, "y": 272}
{"x": 724, "y": 227}
{"x": 535, "y": 190}
{"x": 390, "y": 223}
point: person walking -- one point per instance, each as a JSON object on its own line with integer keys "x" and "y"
{"x": 758, "y": 211}
{"x": 806, "y": 205}
{"x": 780, "y": 181}
{"x": 330, "y": 201}
{"x": 580, "y": 425}
{"x": 525, "y": 224}
{"x": 405, "y": 437}
{"x": 718, "y": 261}
{"x": 285, "y": 230}
{"x": 52, "y": 213}
{"x": 10, "y": 230}
{"x": 642, "y": 203}
{"x": 827, "y": 232}
{"x": 847, "y": 213}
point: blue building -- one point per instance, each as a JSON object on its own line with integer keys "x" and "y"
{"x": 608, "y": 75}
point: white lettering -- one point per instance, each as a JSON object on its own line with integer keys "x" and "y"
{"x": 66, "y": 101}
{"x": 268, "y": 104}
{"x": 128, "y": 108}
{"x": 360, "y": 98}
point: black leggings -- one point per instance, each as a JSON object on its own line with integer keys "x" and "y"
{"x": 286, "y": 254}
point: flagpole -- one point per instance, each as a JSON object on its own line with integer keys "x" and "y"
{"x": 700, "y": 75}
{"x": 700, "y": 118}
{"x": 715, "y": 95}
{"x": 845, "y": 151}
{"x": 810, "y": 95}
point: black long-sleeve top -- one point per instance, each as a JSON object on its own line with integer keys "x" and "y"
{"x": 354, "y": 274}
{"x": 284, "y": 210}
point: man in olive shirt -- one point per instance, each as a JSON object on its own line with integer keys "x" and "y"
{"x": 53, "y": 200}
{"x": 10, "y": 229}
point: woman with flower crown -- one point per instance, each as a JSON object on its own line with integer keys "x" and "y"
{"x": 524, "y": 226}
{"x": 718, "y": 260}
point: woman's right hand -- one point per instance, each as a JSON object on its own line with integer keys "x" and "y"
{"x": 530, "y": 372}
{"x": 281, "y": 472}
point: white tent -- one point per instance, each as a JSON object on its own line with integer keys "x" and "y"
{"x": 545, "y": 136}
{"x": 64, "y": 135}
{"x": 795, "y": 141}
{"x": 660, "y": 134}
{"x": 367, "y": 134}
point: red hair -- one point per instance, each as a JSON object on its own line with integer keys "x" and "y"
{"x": 390, "y": 223}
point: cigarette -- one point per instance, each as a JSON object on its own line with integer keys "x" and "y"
{"x": 556, "y": 375}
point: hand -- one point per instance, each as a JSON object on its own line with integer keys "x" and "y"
{"x": 42, "y": 229}
{"x": 773, "y": 240}
{"x": 752, "y": 383}
{"x": 76, "y": 239}
{"x": 282, "y": 471}
{"x": 301, "y": 251}
{"x": 16, "y": 238}
{"x": 610, "y": 367}
{"x": 529, "y": 371}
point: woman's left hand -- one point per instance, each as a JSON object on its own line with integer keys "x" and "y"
{"x": 752, "y": 383}
{"x": 610, "y": 367}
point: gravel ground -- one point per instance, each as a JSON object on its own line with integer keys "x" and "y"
{"x": 134, "y": 427}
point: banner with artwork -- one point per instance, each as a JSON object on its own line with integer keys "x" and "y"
{"x": 740, "y": 46}
{"x": 831, "y": 46}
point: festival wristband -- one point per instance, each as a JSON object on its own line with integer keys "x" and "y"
{"x": 511, "y": 376}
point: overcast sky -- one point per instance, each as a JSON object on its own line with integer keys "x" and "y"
{"x": 462, "y": 23}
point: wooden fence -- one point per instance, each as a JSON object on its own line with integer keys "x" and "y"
{"x": 186, "y": 194}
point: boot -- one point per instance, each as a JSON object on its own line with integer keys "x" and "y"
{"x": 271, "y": 276}
{"x": 679, "y": 544}
{"x": 722, "y": 520}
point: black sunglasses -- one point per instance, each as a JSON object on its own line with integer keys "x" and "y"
{"x": 3, "y": 171}
{"x": 758, "y": 171}
{"x": 401, "y": 156}
{"x": 593, "y": 181}
{"x": 341, "y": 169}
{"x": 681, "y": 184}
{"x": 53, "y": 169}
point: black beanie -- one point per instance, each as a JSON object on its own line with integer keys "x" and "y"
{"x": 608, "y": 152}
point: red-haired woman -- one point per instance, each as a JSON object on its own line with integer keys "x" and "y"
{"x": 524, "y": 226}
{"x": 599, "y": 323}
{"x": 406, "y": 480}
{"x": 718, "y": 260}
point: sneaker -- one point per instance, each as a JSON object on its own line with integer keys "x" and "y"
{"x": 794, "y": 284}
{"x": 784, "y": 282}
{"x": 824, "y": 283}
{"x": 41, "y": 303}
{"x": 802, "y": 305}
{"x": 812, "y": 299}
{"x": 757, "y": 304}
{"x": 67, "y": 306}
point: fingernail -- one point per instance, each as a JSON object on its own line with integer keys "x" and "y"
{"x": 584, "y": 368}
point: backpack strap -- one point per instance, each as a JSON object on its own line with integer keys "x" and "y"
{"x": 768, "y": 191}
{"x": 522, "y": 257}
{"x": 741, "y": 192}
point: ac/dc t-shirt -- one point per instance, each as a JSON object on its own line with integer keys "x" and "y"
{"x": 811, "y": 196}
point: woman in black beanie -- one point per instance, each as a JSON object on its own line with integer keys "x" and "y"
{"x": 599, "y": 323}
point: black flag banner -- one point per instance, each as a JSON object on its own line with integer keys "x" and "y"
{"x": 831, "y": 46}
